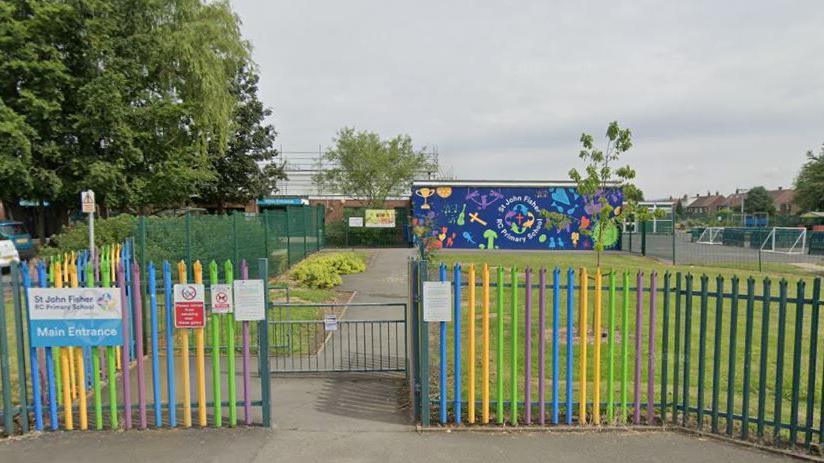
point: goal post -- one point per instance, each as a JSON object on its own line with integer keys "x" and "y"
{"x": 711, "y": 235}
{"x": 786, "y": 240}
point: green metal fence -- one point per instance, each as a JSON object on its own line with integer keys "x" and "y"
{"x": 734, "y": 357}
{"x": 340, "y": 234}
{"x": 817, "y": 243}
{"x": 284, "y": 236}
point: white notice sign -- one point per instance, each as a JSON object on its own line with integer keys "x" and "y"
{"x": 330, "y": 322}
{"x": 249, "y": 300}
{"x": 355, "y": 221}
{"x": 221, "y": 299}
{"x": 437, "y": 301}
{"x": 87, "y": 201}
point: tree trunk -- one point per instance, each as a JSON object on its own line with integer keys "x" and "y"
{"x": 40, "y": 222}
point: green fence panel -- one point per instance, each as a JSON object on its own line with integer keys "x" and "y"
{"x": 816, "y": 240}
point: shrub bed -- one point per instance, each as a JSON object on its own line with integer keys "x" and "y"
{"x": 324, "y": 270}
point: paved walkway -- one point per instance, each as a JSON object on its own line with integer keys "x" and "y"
{"x": 362, "y": 418}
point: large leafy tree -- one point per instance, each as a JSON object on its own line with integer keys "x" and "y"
{"x": 809, "y": 185}
{"x": 247, "y": 168}
{"x": 758, "y": 200}
{"x": 366, "y": 167}
{"x": 33, "y": 79}
{"x": 120, "y": 96}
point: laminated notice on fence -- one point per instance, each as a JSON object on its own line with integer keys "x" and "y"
{"x": 189, "y": 306}
{"x": 83, "y": 317}
{"x": 330, "y": 322}
{"x": 250, "y": 302}
{"x": 437, "y": 301}
{"x": 221, "y": 299}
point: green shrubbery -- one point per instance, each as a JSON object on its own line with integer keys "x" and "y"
{"x": 106, "y": 231}
{"x": 324, "y": 270}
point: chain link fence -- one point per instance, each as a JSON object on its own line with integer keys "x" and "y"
{"x": 756, "y": 249}
{"x": 284, "y": 236}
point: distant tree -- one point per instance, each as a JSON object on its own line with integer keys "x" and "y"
{"x": 809, "y": 185}
{"x": 632, "y": 193}
{"x": 247, "y": 169}
{"x": 366, "y": 167}
{"x": 758, "y": 200}
{"x": 599, "y": 175}
{"x": 679, "y": 208}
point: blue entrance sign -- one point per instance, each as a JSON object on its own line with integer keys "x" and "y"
{"x": 282, "y": 202}
{"x": 83, "y": 317}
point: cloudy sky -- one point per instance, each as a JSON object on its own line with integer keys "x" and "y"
{"x": 718, "y": 94}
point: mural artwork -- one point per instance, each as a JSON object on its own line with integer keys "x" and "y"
{"x": 469, "y": 217}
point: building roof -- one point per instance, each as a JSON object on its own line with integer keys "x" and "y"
{"x": 779, "y": 197}
{"x": 707, "y": 201}
{"x": 782, "y": 196}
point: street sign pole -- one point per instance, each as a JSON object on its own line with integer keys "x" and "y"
{"x": 88, "y": 205}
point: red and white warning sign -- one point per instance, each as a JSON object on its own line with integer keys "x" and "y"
{"x": 190, "y": 307}
{"x": 221, "y": 299}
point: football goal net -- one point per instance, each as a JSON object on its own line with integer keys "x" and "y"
{"x": 711, "y": 235}
{"x": 785, "y": 240}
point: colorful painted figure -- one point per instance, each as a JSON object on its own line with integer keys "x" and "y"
{"x": 468, "y": 237}
{"x": 484, "y": 201}
{"x": 473, "y": 217}
{"x": 490, "y": 236}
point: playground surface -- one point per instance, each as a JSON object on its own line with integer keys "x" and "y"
{"x": 363, "y": 417}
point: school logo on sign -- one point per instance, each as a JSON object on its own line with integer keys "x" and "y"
{"x": 519, "y": 219}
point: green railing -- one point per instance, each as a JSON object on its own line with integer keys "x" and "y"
{"x": 732, "y": 357}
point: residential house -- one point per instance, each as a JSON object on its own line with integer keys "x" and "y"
{"x": 709, "y": 204}
{"x": 783, "y": 199}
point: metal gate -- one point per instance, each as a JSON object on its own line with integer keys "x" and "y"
{"x": 361, "y": 337}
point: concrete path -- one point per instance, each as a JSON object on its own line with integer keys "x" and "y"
{"x": 363, "y": 418}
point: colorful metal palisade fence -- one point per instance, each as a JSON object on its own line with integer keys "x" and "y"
{"x": 565, "y": 347}
{"x": 147, "y": 381}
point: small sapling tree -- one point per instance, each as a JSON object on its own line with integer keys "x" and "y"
{"x": 600, "y": 175}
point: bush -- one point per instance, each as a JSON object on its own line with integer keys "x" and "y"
{"x": 106, "y": 231}
{"x": 324, "y": 270}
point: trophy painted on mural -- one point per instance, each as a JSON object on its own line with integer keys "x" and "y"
{"x": 425, "y": 193}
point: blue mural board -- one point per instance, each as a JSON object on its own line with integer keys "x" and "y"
{"x": 484, "y": 217}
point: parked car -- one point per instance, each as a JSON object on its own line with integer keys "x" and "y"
{"x": 8, "y": 255}
{"x": 17, "y": 234}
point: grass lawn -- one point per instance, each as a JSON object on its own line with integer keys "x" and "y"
{"x": 700, "y": 359}
{"x": 302, "y": 332}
